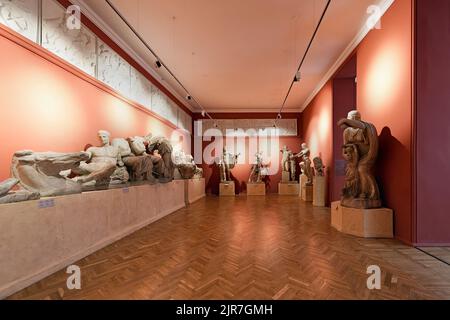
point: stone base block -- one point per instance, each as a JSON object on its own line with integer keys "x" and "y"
{"x": 256, "y": 189}
{"x": 285, "y": 177}
{"x": 307, "y": 193}
{"x": 289, "y": 189}
{"x": 319, "y": 191}
{"x": 365, "y": 223}
{"x": 194, "y": 190}
{"x": 227, "y": 189}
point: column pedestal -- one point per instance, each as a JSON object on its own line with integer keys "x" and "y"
{"x": 227, "y": 189}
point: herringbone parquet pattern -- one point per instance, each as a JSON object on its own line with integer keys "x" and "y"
{"x": 256, "y": 248}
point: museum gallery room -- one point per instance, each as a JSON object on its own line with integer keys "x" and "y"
{"x": 224, "y": 150}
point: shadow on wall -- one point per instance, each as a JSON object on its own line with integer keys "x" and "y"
{"x": 386, "y": 168}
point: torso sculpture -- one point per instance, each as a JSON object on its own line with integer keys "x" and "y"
{"x": 288, "y": 164}
{"x": 360, "y": 149}
{"x": 305, "y": 164}
{"x": 226, "y": 163}
{"x": 258, "y": 170}
{"x": 105, "y": 164}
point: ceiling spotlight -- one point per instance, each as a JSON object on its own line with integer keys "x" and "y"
{"x": 188, "y": 97}
{"x": 203, "y": 113}
{"x": 298, "y": 76}
{"x": 158, "y": 64}
{"x": 279, "y": 116}
{"x": 216, "y": 125}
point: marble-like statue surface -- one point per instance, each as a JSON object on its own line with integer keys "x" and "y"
{"x": 305, "y": 164}
{"x": 226, "y": 163}
{"x": 259, "y": 170}
{"x": 8, "y": 196}
{"x": 105, "y": 164}
{"x": 360, "y": 150}
{"x": 185, "y": 165}
{"x": 161, "y": 147}
{"x": 41, "y": 172}
{"x": 319, "y": 167}
{"x": 288, "y": 165}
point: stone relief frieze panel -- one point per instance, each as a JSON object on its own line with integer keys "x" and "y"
{"x": 141, "y": 89}
{"x": 21, "y": 16}
{"x": 113, "y": 69}
{"x": 285, "y": 127}
{"x": 75, "y": 46}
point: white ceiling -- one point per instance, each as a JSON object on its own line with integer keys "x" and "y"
{"x": 237, "y": 55}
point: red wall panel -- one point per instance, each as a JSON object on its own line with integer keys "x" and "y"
{"x": 433, "y": 121}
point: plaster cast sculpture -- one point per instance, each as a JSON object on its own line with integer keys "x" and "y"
{"x": 288, "y": 165}
{"x": 185, "y": 165}
{"x": 161, "y": 147}
{"x": 41, "y": 173}
{"x": 305, "y": 164}
{"x": 360, "y": 150}
{"x": 8, "y": 196}
{"x": 226, "y": 163}
{"x": 259, "y": 170}
{"x": 319, "y": 167}
{"x": 105, "y": 164}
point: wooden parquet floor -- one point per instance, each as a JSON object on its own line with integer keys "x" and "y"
{"x": 256, "y": 248}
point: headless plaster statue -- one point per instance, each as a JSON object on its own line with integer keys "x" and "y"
{"x": 360, "y": 150}
{"x": 161, "y": 147}
{"x": 226, "y": 163}
{"x": 8, "y": 196}
{"x": 288, "y": 165}
{"x": 258, "y": 170}
{"x": 41, "y": 173}
{"x": 305, "y": 164}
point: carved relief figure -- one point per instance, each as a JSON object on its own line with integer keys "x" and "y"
{"x": 226, "y": 164}
{"x": 360, "y": 151}
{"x": 305, "y": 164}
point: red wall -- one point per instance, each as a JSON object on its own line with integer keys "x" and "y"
{"x": 433, "y": 121}
{"x": 47, "y": 105}
{"x": 241, "y": 172}
{"x": 384, "y": 98}
{"x": 317, "y": 130}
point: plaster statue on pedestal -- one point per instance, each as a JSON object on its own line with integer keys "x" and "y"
{"x": 105, "y": 164}
{"x": 159, "y": 146}
{"x": 360, "y": 149}
{"x": 41, "y": 173}
{"x": 226, "y": 163}
{"x": 259, "y": 170}
{"x": 8, "y": 196}
{"x": 288, "y": 164}
{"x": 319, "y": 167}
{"x": 305, "y": 164}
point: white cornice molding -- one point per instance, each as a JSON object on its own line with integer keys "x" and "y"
{"x": 384, "y": 6}
{"x": 102, "y": 25}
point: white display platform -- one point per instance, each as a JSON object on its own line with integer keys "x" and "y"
{"x": 38, "y": 238}
{"x": 320, "y": 191}
{"x": 194, "y": 190}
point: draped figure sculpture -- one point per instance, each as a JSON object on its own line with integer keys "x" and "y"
{"x": 288, "y": 165}
{"x": 259, "y": 170}
{"x": 305, "y": 164}
{"x": 360, "y": 150}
